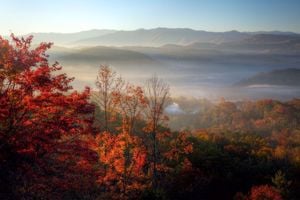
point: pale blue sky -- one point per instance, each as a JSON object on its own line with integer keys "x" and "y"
{"x": 24, "y": 16}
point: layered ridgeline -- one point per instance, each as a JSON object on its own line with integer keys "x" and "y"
{"x": 198, "y": 63}
{"x": 163, "y": 36}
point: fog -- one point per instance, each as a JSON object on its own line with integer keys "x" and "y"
{"x": 210, "y": 85}
{"x": 195, "y": 73}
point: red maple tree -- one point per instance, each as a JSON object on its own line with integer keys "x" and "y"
{"x": 40, "y": 119}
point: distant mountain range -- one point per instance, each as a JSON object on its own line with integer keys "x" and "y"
{"x": 162, "y": 36}
{"x": 200, "y": 63}
{"x": 284, "y": 77}
{"x": 171, "y": 36}
{"x": 68, "y": 38}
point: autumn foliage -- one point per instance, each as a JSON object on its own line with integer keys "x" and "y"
{"x": 264, "y": 192}
{"x": 261, "y": 192}
{"x": 40, "y": 121}
{"x": 115, "y": 143}
{"x": 126, "y": 153}
{"x": 50, "y": 147}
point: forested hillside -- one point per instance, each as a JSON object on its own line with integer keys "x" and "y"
{"x": 118, "y": 142}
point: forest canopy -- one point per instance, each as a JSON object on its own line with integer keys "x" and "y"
{"x": 116, "y": 143}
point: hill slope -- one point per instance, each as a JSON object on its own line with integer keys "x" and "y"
{"x": 288, "y": 77}
{"x": 106, "y": 55}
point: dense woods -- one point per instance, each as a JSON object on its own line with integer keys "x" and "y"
{"x": 115, "y": 143}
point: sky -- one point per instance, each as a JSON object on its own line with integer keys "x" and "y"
{"x": 27, "y": 16}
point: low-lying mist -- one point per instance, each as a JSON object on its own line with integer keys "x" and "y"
{"x": 240, "y": 66}
{"x": 210, "y": 77}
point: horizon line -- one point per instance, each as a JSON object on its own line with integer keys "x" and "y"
{"x": 147, "y": 29}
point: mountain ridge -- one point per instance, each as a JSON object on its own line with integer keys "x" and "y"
{"x": 148, "y": 37}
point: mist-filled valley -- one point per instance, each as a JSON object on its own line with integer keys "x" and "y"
{"x": 195, "y": 63}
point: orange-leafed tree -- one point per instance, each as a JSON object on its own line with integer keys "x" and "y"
{"x": 122, "y": 154}
{"x": 167, "y": 151}
{"x": 178, "y": 147}
{"x": 39, "y": 119}
{"x": 122, "y": 158}
{"x": 131, "y": 103}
